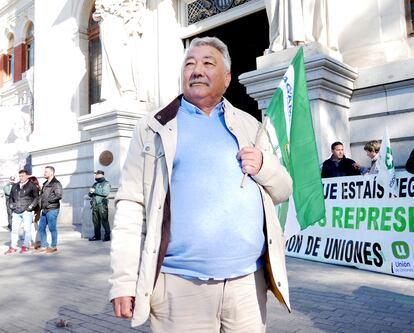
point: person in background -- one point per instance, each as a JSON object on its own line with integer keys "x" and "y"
{"x": 50, "y": 197}
{"x": 372, "y": 149}
{"x": 338, "y": 165}
{"x": 409, "y": 166}
{"x": 24, "y": 198}
{"x": 36, "y": 217}
{"x": 7, "y": 190}
{"x": 99, "y": 193}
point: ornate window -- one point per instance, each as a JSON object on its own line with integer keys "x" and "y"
{"x": 201, "y": 9}
{"x": 95, "y": 62}
{"x": 10, "y": 59}
{"x": 29, "y": 46}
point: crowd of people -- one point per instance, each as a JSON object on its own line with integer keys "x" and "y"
{"x": 338, "y": 165}
{"x": 32, "y": 208}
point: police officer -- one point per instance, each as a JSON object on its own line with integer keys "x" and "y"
{"x": 99, "y": 193}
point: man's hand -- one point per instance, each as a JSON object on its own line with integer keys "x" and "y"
{"x": 252, "y": 159}
{"x": 123, "y": 306}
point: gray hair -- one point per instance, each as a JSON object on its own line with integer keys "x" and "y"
{"x": 217, "y": 44}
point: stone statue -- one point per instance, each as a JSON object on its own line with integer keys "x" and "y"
{"x": 120, "y": 23}
{"x": 15, "y": 129}
{"x": 295, "y": 22}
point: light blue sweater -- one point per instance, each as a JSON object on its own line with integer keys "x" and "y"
{"x": 216, "y": 226}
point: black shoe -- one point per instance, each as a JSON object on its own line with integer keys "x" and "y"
{"x": 92, "y": 239}
{"x": 106, "y": 239}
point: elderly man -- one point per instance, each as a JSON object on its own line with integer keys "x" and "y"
{"x": 338, "y": 165}
{"x": 191, "y": 248}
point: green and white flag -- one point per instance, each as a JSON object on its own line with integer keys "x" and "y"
{"x": 386, "y": 171}
{"x": 290, "y": 118}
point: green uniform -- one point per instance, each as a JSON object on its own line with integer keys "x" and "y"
{"x": 100, "y": 207}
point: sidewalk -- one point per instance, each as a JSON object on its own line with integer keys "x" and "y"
{"x": 36, "y": 291}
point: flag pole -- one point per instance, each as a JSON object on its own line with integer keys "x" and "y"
{"x": 259, "y": 133}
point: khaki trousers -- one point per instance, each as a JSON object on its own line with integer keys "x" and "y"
{"x": 180, "y": 305}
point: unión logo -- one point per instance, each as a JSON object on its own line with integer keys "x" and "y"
{"x": 400, "y": 250}
{"x": 389, "y": 162}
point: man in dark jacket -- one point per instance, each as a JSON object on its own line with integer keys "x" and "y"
{"x": 23, "y": 200}
{"x": 99, "y": 200}
{"x": 409, "y": 166}
{"x": 338, "y": 165}
{"x": 49, "y": 203}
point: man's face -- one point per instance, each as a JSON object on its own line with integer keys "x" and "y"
{"x": 204, "y": 75}
{"x": 48, "y": 173}
{"x": 338, "y": 152}
{"x": 23, "y": 177}
{"x": 98, "y": 175}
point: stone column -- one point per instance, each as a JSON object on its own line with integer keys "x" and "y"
{"x": 330, "y": 86}
{"x": 110, "y": 129}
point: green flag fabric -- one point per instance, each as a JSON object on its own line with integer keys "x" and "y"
{"x": 290, "y": 117}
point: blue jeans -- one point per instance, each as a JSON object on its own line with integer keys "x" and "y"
{"x": 23, "y": 220}
{"x": 48, "y": 218}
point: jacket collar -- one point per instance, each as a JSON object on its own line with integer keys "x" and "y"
{"x": 52, "y": 181}
{"x": 24, "y": 184}
{"x": 169, "y": 112}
